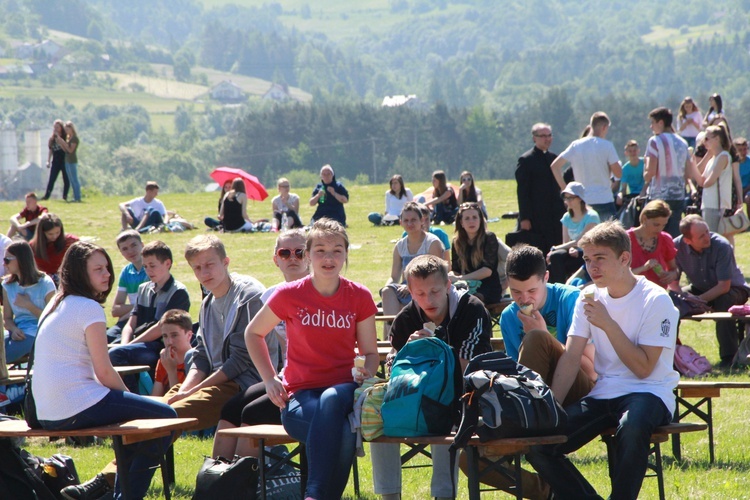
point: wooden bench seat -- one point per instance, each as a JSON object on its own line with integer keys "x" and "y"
{"x": 122, "y": 434}
{"x": 510, "y": 448}
{"x": 660, "y": 435}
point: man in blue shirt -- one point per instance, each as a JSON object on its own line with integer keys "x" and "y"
{"x": 535, "y": 327}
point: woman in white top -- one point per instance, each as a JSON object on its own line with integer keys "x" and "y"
{"x": 395, "y": 199}
{"x": 469, "y": 192}
{"x": 715, "y": 114}
{"x": 287, "y": 203}
{"x": 74, "y": 383}
{"x": 26, "y": 290}
{"x": 416, "y": 242}
{"x": 716, "y": 172}
{"x": 689, "y": 120}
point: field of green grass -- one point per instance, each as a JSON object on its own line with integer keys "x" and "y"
{"x": 369, "y": 262}
{"x": 679, "y": 39}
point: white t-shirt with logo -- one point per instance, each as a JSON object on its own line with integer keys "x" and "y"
{"x": 647, "y": 317}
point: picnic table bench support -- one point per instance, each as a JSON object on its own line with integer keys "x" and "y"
{"x": 694, "y": 409}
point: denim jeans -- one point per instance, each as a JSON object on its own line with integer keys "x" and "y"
{"x": 386, "y": 470}
{"x": 140, "y": 353}
{"x": 118, "y": 406}
{"x": 16, "y": 349}
{"x": 444, "y": 214}
{"x": 634, "y": 415}
{"x": 153, "y": 218}
{"x": 72, "y": 171}
{"x": 319, "y": 418}
{"x": 606, "y": 211}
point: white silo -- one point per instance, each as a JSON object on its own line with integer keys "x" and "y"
{"x": 8, "y": 149}
{"x": 32, "y": 146}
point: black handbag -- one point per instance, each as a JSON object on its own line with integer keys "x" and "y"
{"x": 527, "y": 237}
{"x": 29, "y": 406}
{"x": 219, "y": 478}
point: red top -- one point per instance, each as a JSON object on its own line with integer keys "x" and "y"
{"x": 162, "y": 376}
{"x": 321, "y": 331}
{"x": 664, "y": 252}
{"x": 54, "y": 258}
{"x": 28, "y": 215}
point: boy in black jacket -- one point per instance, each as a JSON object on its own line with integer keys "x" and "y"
{"x": 457, "y": 318}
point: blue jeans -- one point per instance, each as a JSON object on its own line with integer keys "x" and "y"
{"x": 72, "y": 171}
{"x": 444, "y": 214}
{"x": 634, "y": 415}
{"x": 118, "y": 406}
{"x": 16, "y": 349}
{"x": 319, "y": 418}
{"x": 153, "y": 218}
{"x": 606, "y": 211}
{"x": 140, "y": 353}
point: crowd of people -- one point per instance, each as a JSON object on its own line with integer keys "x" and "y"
{"x": 284, "y": 355}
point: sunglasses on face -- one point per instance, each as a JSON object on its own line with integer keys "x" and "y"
{"x": 466, "y": 179}
{"x": 286, "y": 253}
{"x": 7, "y": 260}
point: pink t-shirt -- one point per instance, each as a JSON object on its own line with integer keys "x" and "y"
{"x": 321, "y": 331}
{"x": 663, "y": 253}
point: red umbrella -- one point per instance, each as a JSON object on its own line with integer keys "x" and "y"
{"x": 255, "y": 190}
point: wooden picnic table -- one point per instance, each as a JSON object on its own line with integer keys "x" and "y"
{"x": 17, "y": 376}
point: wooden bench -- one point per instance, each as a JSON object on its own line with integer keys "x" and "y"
{"x": 705, "y": 391}
{"x": 18, "y": 376}
{"x": 508, "y": 449}
{"x": 122, "y": 434}
{"x": 660, "y": 435}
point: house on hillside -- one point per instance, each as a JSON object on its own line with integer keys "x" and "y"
{"x": 278, "y": 93}
{"x": 227, "y": 91}
{"x": 49, "y": 48}
{"x": 410, "y": 101}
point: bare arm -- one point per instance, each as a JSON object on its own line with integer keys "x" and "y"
{"x": 717, "y": 290}
{"x": 367, "y": 346}
{"x": 650, "y": 168}
{"x": 557, "y": 168}
{"x": 737, "y": 182}
{"x": 396, "y": 268}
{"x": 127, "y": 330}
{"x": 153, "y": 333}
{"x": 567, "y": 367}
{"x": 120, "y": 308}
{"x": 262, "y": 324}
{"x": 244, "y": 209}
{"x": 721, "y": 164}
{"x": 616, "y": 169}
{"x": 96, "y": 341}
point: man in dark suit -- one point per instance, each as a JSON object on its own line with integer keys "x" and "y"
{"x": 540, "y": 207}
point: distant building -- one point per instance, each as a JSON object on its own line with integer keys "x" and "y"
{"x": 278, "y": 93}
{"x": 410, "y": 101}
{"x": 227, "y": 91}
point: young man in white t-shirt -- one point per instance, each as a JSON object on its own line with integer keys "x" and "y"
{"x": 140, "y": 213}
{"x": 632, "y": 323}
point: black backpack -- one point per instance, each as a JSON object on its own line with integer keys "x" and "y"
{"x": 18, "y": 479}
{"x": 512, "y": 401}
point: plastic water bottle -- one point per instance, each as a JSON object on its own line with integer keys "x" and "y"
{"x": 658, "y": 269}
{"x": 322, "y": 198}
{"x": 284, "y": 222}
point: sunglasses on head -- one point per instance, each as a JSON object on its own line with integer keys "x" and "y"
{"x": 286, "y": 253}
{"x": 469, "y": 205}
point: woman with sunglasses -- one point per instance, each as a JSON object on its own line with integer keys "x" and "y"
{"x": 327, "y": 316}
{"x": 287, "y": 203}
{"x": 26, "y": 291}
{"x": 417, "y": 241}
{"x": 254, "y": 407}
{"x": 50, "y": 244}
{"x": 468, "y": 192}
{"x": 567, "y": 258}
{"x": 74, "y": 383}
{"x": 474, "y": 254}
{"x": 212, "y": 223}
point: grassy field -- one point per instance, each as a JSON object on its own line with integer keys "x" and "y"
{"x": 369, "y": 263}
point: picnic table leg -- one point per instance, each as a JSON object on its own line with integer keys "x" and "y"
{"x": 676, "y": 448}
{"x": 659, "y": 470}
{"x": 166, "y": 464}
{"x": 262, "y": 468}
{"x": 710, "y": 422}
{"x": 123, "y": 467}
{"x": 472, "y": 459}
{"x": 519, "y": 481}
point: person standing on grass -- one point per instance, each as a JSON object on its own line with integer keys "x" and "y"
{"x": 634, "y": 391}
{"x": 326, "y": 317}
{"x": 56, "y": 161}
{"x": 593, "y": 159}
{"x": 69, "y": 144}
{"x": 74, "y": 384}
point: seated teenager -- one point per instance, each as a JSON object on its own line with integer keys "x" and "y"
{"x": 474, "y": 254}
{"x": 317, "y": 391}
{"x": 653, "y": 249}
{"x": 395, "y": 293}
{"x": 26, "y": 291}
{"x": 72, "y": 347}
{"x": 566, "y": 259}
{"x": 233, "y": 213}
{"x": 633, "y": 361}
{"x": 469, "y": 192}
{"x": 462, "y": 322}
{"x": 253, "y": 406}
{"x": 443, "y": 201}
{"x": 395, "y": 198}
{"x": 130, "y": 245}
{"x": 50, "y": 244}
{"x": 176, "y": 333}
{"x": 429, "y": 228}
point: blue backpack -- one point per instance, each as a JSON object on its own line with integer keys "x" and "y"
{"x": 421, "y": 395}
